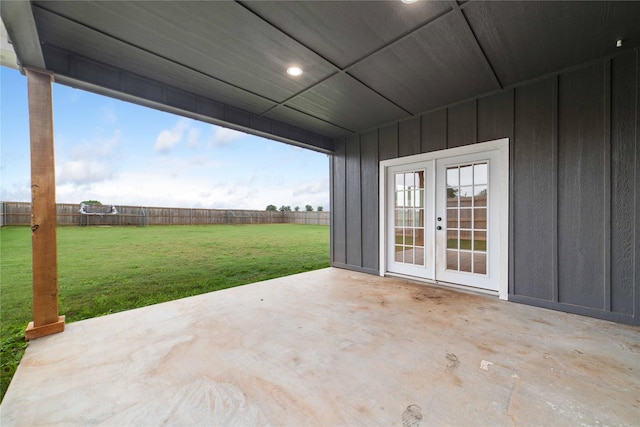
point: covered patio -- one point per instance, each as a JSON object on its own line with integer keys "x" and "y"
{"x": 331, "y": 347}
{"x": 366, "y": 83}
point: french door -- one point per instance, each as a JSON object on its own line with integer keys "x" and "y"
{"x": 445, "y": 217}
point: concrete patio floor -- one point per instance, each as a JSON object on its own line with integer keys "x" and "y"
{"x": 331, "y": 347}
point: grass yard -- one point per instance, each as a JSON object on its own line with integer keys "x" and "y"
{"x": 103, "y": 270}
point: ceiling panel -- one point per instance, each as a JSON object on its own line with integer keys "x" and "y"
{"x": 524, "y": 40}
{"x": 221, "y": 39}
{"x": 347, "y": 103}
{"x": 346, "y": 31}
{"x": 437, "y": 65}
{"x": 58, "y": 31}
{"x": 305, "y": 121}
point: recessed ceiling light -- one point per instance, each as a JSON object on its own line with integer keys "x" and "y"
{"x": 408, "y": 1}
{"x": 294, "y": 71}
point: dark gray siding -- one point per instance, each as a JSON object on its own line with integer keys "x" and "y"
{"x": 625, "y": 185}
{"x": 388, "y": 146}
{"x": 354, "y": 202}
{"x": 574, "y": 184}
{"x": 462, "y": 124}
{"x": 409, "y": 137}
{"x": 434, "y": 131}
{"x": 355, "y": 229}
{"x": 495, "y": 116}
{"x": 581, "y": 184}
{"x": 338, "y": 205}
{"x": 534, "y": 151}
{"x": 370, "y": 206}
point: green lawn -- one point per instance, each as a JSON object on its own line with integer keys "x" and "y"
{"x": 104, "y": 270}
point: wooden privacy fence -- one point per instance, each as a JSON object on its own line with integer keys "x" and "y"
{"x": 19, "y": 213}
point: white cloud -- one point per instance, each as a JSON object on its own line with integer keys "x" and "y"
{"x": 90, "y": 162}
{"x": 224, "y": 136}
{"x": 176, "y": 165}
{"x": 17, "y": 192}
{"x": 83, "y": 172}
{"x": 109, "y": 115}
{"x": 99, "y": 148}
{"x": 192, "y": 137}
{"x": 312, "y": 188}
{"x": 158, "y": 188}
{"x": 168, "y": 138}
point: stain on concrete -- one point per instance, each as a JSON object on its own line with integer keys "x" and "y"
{"x": 485, "y": 348}
{"x": 412, "y": 416}
{"x": 453, "y": 362}
{"x": 205, "y": 399}
{"x": 633, "y": 348}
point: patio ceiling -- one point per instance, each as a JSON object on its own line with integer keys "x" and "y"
{"x": 365, "y": 63}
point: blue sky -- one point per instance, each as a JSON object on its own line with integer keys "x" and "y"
{"x": 123, "y": 154}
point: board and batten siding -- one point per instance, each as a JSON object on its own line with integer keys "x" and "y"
{"x": 574, "y": 226}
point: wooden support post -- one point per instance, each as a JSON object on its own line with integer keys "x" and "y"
{"x": 43, "y": 205}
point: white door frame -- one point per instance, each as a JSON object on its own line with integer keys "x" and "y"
{"x": 499, "y": 145}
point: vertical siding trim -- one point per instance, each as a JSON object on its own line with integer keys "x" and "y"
{"x": 332, "y": 192}
{"x": 420, "y": 133}
{"x": 369, "y": 178}
{"x": 512, "y": 206}
{"x": 476, "y": 129}
{"x": 346, "y": 200}
{"x": 382, "y": 219}
{"x": 636, "y": 272}
{"x": 360, "y": 213}
{"x": 607, "y": 187}
{"x": 446, "y": 128}
{"x": 361, "y": 198}
{"x": 339, "y": 208}
{"x": 554, "y": 185}
{"x": 353, "y": 204}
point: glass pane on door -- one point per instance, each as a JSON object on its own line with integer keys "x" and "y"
{"x": 466, "y": 211}
{"x": 409, "y": 211}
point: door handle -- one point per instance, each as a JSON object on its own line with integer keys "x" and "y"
{"x": 439, "y": 227}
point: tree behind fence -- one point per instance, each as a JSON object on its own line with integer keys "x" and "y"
{"x": 19, "y": 213}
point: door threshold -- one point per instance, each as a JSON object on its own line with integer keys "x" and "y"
{"x": 442, "y": 284}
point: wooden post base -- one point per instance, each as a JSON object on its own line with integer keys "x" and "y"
{"x": 34, "y": 332}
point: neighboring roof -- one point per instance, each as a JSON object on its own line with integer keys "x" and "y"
{"x": 365, "y": 63}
